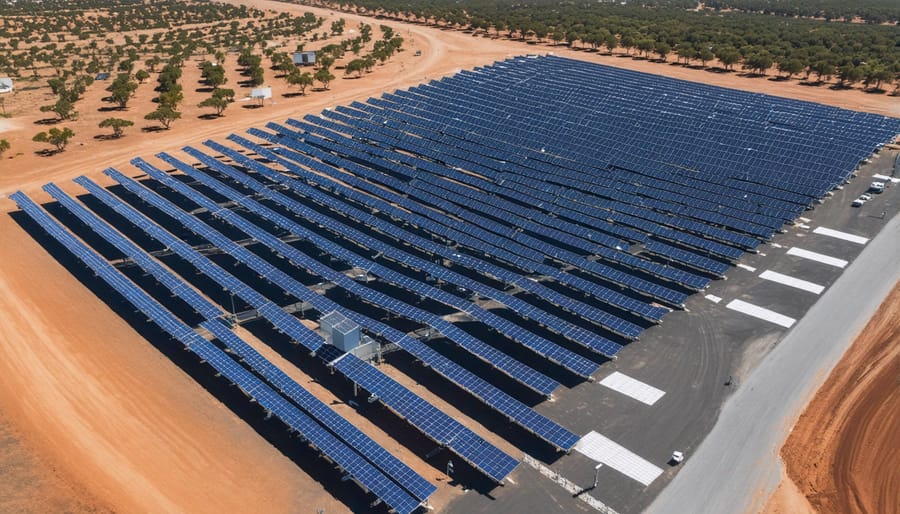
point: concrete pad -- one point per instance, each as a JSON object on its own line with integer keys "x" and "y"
{"x": 634, "y": 388}
{"x": 841, "y": 235}
{"x": 603, "y": 450}
{"x": 761, "y": 313}
{"x": 788, "y": 280}
{"x": 818, "y": 257}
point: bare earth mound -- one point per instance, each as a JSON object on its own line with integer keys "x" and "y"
{"x": 843, "y": 453}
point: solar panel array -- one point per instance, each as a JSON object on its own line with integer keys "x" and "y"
{"x": 393, "y": 484}
{"x": 562, "y": 206}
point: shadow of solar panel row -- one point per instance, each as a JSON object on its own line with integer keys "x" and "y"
{"x": 574, "y": 333}
{"x": 513, "y": 409}
{"x": 455, "y": 230}
{"x": 178, "y": 287}
{"x": 575, "y": 363}
{"x": 361, "y": 470}
{"x": 502, "y": 362}
{"x": 352, "y": 436}
{"x": 200, "y": 228}
{"x": 271, "y": 312}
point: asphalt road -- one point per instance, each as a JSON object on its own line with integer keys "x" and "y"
{"x": 737, "y": 466}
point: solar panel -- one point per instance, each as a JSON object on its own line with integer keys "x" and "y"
{"x": 524, "y": 374}
{"x": 349, "y": 434}
{"x": 282, "y": 321}
{"x": 366, "y": 474}
{"x": 444, "y": 429}
{"x": 177, "y": 286}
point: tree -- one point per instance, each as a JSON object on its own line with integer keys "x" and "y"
{"x": 217, "y": 103}
{"x": 56, "y": 137}
{"x": 227, "y": 94}
{"x": 728, "y": 56}
{"x": 662, "y": 49}
{"x": 4, "y": 146}
{"x": 63, "y": 108}
{"x": 355, "y": 66}
{"x": 324, "y": 76}
{"x": 303, "y": 79}
{"x": 257, "y": 76}
{"x": 141, "y": 75}
{"x": 165, "y": 115}
{"x": 122, "y": 89}
{"x": 117, "y": 124}
{"x": 705, "y": 56}
{"x": 790, "y": 67}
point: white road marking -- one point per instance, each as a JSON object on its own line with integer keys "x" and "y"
{"x": 748, "y": 268}
{"x": 804, "y": 226}
{"x": 776, "y": 245}
{"x": 760, "y": 312}
{"x": 818, "y": 257}
{"x": 886, "y": 178}
{"x": 571, "y": 487}
{"x": 787, "y": 280}
{"x": 713, "y": 298}
{"x": 804, "y": 220}
{"x": 603, "y": 450}
{"x": 634, "y": 388}
{"x": 841, "y": 235}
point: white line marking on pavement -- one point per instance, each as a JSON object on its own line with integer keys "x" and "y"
{"x": 885, "y": 177}
{"x": 713, "y": 298}
{"x": 776, "y": 245}
{"x": 841, "y": 235}
{"x": 804, "y": 220}
{"x": 774, "y": 276}
{"x": 760, "y": 312}
{"x": 568, "y": 485}
{"x": 818, "y": 257}
{"x": 603, "y": 450}
{"x": 634, "y": 388}
{"x": 748, "y": 268}
{"x": 804, "y": 226}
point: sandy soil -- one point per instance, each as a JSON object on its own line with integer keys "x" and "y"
{"x": 843, "y": 454}
{"x": 101, "y": 420}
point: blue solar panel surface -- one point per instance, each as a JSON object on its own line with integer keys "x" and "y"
{"x": 370, "y": 477}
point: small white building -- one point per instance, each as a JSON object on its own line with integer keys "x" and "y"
{"x": 6, "y": 85}
{"x": 304, "y": 58}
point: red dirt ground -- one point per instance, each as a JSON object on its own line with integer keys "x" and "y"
{"x": 843, "y": 453}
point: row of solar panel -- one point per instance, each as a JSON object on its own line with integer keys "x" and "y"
{"x": 574, "y": 363}
{"x": 594, "y": 187}
{"x": 451, "y": 229}
{"x": 525, "y": 221}
{"x": 397, "y": 491}
{"x": 492, "y": 396}
{"x": 200, "y": 228}
{"x": 638, "y": 94}
{"x": 632, "y": 262}
{"x": 403, "y": 237}
{"x": 870, "y": 147}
